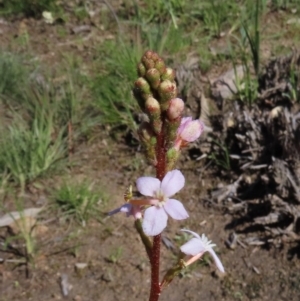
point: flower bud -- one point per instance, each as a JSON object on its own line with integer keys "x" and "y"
{"x": 152, "y": 107}
{"x": 148, "y": 140}
{"x": 160, "y": 65}
{"x": 142, "y": 85}
{"x": 151, "y": 55}
{"x": 169, "y": 74}
{"x": 153, "y": 76}
{"x": 171, "y": 128}
{"x": 175, "y": 109}
{"x": 172, "y": 157}
{"x": 141, "y": 69}
{"x": 148, "y": 54}
{"x": 167, "y": 90}
{"x": 141, "y": 92}
{"x": 151, "y": 151}
{"x": 147, "y": 60}
{"x": 155, "y": 57}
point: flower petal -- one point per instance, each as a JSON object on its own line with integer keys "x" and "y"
{"x": 124, "y": 208}
{"x": 192, "y": 130}
{"x": 175, "y": 209}
{"x": 172, "y": 182}
{"x": 155, "y": 221}
{"x": 148, "y": 185}
{"x": 193, "y": 247}
{"x": 183, "y": 123}
{"x": 191, "y": 232}
{"x": 216, "y": 259}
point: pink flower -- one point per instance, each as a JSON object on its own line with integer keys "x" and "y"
{"x": 129, "y": 209}
{"x": 156, "y": 217}
{"x": 188, "y": 131}
{"x": 197, "y": 246}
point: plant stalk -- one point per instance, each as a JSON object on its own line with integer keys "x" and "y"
{"x": 155, "y": 258}
{"x": 155, "y": 254}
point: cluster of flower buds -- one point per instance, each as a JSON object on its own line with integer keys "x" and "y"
{"x": 156, "y": 93}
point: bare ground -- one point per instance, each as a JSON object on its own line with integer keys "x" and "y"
{"x": 252, "y": 272}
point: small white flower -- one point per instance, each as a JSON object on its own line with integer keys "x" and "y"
{"x": 197, "y": 246}
{"x": 48, "y": 17}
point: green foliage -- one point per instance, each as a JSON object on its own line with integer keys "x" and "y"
{"x": 220, "y": 155}
{"x": 27, "y": 7}
{"x": 24, "y": 226}
{"x": 164, "y": 38}
{"x": 79, "y": 200}
{"x": 13, "y": 74}
{"x": 251, "y": 31}
{"x": 217, "y": 14}
{"x": 246, "y": 46}
{"x": 112, "y": 86}
{"x": 247, "y": 86}
{"x": 157, "y": 11}
{"x": 29, "y": 150}
{"x": 71, "y": 94}
{"x": 293, "y": 91}
{"x": 115, "y": 255}
{"x": 284, "y": 4}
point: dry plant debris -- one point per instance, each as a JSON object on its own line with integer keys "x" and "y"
{"x": 262, "y": 141}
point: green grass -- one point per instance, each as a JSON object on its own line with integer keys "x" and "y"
{"x": 47, "y": 115}
{"x": 111, "y": 87}
{"x": 27, "y": 7}
{"x": 14, "y": 75}
{"x": 31, "y": 144}
{"x": 155, "y": 11}
{"x": 285, "y": 4}
{"x": 30, "y": 150}
{"x": 80, "y": 201}
{"x": 218, "y": 15}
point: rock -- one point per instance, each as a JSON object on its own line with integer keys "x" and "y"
{"x": 13, "y": 216}
{"x": 80, "y": 268}
{"x": 23, "y": 222}
{"x": 225, "y": 86}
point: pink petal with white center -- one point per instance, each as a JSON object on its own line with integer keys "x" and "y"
{"x": 155, "y": 221}
{"x": 193, "y": 247}
{"x": 192, "y": 130}
{"x": 175, "y": 209}
{"x": 216, "y": 259}
{"x": 148, "y": 186}
{"x": 172, "y": 182}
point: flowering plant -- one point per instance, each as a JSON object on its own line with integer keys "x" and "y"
{"x": 163, "y": 136}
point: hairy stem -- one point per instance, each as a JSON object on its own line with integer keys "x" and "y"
{"x": 155, "y": 254}
{"x": 155, "y": 285}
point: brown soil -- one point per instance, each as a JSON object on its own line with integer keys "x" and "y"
{"x": 251, "y": 272}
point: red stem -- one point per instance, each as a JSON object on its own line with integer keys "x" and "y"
{"x": 155, "y": 285}
{"x": 155, "y": 253}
